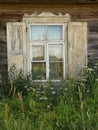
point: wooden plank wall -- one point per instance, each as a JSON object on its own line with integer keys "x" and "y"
{"x": 13, "y": 13}
{"x": 48, "y": 1}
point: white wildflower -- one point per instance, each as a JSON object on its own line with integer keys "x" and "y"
{"x": 97, "y": 80}
{"x": 51, "y": 88}
{"x": 88, "y": 91}
{"x": 28, "y": 89}
{"x": 45, "y": 98}
{"x": 48, "y": 106}
{"x": 61, "y": 88}
{"x": 34, "y": 90}
{"x": 41, "y": 98}
{"x": 65, "y": 89}
{"x": 53, "y": 92}
{"x": 43, "y": 92}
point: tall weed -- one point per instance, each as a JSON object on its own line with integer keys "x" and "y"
{"x": 70, "y": 104}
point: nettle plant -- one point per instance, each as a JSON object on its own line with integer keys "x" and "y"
{"x": 50, "y": 92}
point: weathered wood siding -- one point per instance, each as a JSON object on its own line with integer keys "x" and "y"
{"x": 48, "y": 1}
{"x": 78, "y": 12}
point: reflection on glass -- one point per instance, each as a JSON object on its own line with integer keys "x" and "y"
{"x": 56, "y": 70}
{"x": 38, "y": 71}
{"x": 38, "y": 52}
{"x": 38, "y": 32}
{"x": 56, "y": 52}
{"x": 55, "y": 32}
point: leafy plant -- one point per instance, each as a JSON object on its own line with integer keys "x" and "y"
{"x": 70, "y": 104}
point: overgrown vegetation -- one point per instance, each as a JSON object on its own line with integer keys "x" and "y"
{"x": 66, "y": 105}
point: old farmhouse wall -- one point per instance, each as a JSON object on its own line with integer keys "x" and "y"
{"x": 78, "y": 12}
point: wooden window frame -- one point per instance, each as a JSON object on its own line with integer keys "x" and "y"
{"x": 46, "y": 43}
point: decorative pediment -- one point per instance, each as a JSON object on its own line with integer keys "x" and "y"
{"x": 43, "y": 14}
{"x": 47, "y": 15}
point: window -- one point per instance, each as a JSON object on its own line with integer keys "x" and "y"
{"x": 47, "y": 46}
{"x": 47, "y": 51}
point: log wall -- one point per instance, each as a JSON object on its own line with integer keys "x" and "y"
{"x": 78, "y": 12}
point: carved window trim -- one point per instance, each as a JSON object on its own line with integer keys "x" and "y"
{"x": 44, "y": 19}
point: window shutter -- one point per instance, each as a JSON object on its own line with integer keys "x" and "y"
{"x": 77, "y": 47}
{"x": 16, "y": 45}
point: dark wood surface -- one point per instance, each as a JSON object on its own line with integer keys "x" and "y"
{"x": 48, "y": 1}
{"x": 86, "y": 12}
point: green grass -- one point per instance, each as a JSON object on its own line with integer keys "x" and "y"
{"x": 68, "y": 105}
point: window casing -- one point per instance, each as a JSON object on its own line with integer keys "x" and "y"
{"x": 47, "y": 51}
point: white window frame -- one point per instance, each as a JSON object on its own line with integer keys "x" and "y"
{"x": 46, "y": 43}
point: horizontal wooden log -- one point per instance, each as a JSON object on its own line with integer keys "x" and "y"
{"x": 48, "y": 1}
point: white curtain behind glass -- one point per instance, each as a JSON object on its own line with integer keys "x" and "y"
{"x": 46, "y": 32}
{"x": 38, "y": 32}
{"x": 55, "y": 32}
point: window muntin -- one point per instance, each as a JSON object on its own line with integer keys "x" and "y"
{"x": 48, "y": 52}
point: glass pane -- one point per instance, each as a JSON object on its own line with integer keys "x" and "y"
{"x": 55, "y": 32}
{"x": 38, "y": 52}
{"x": 38, "y": 32}
{"x": 56, "y": 70}
{"x": 38, "y": 71}
{"x": 56, "y": 52}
